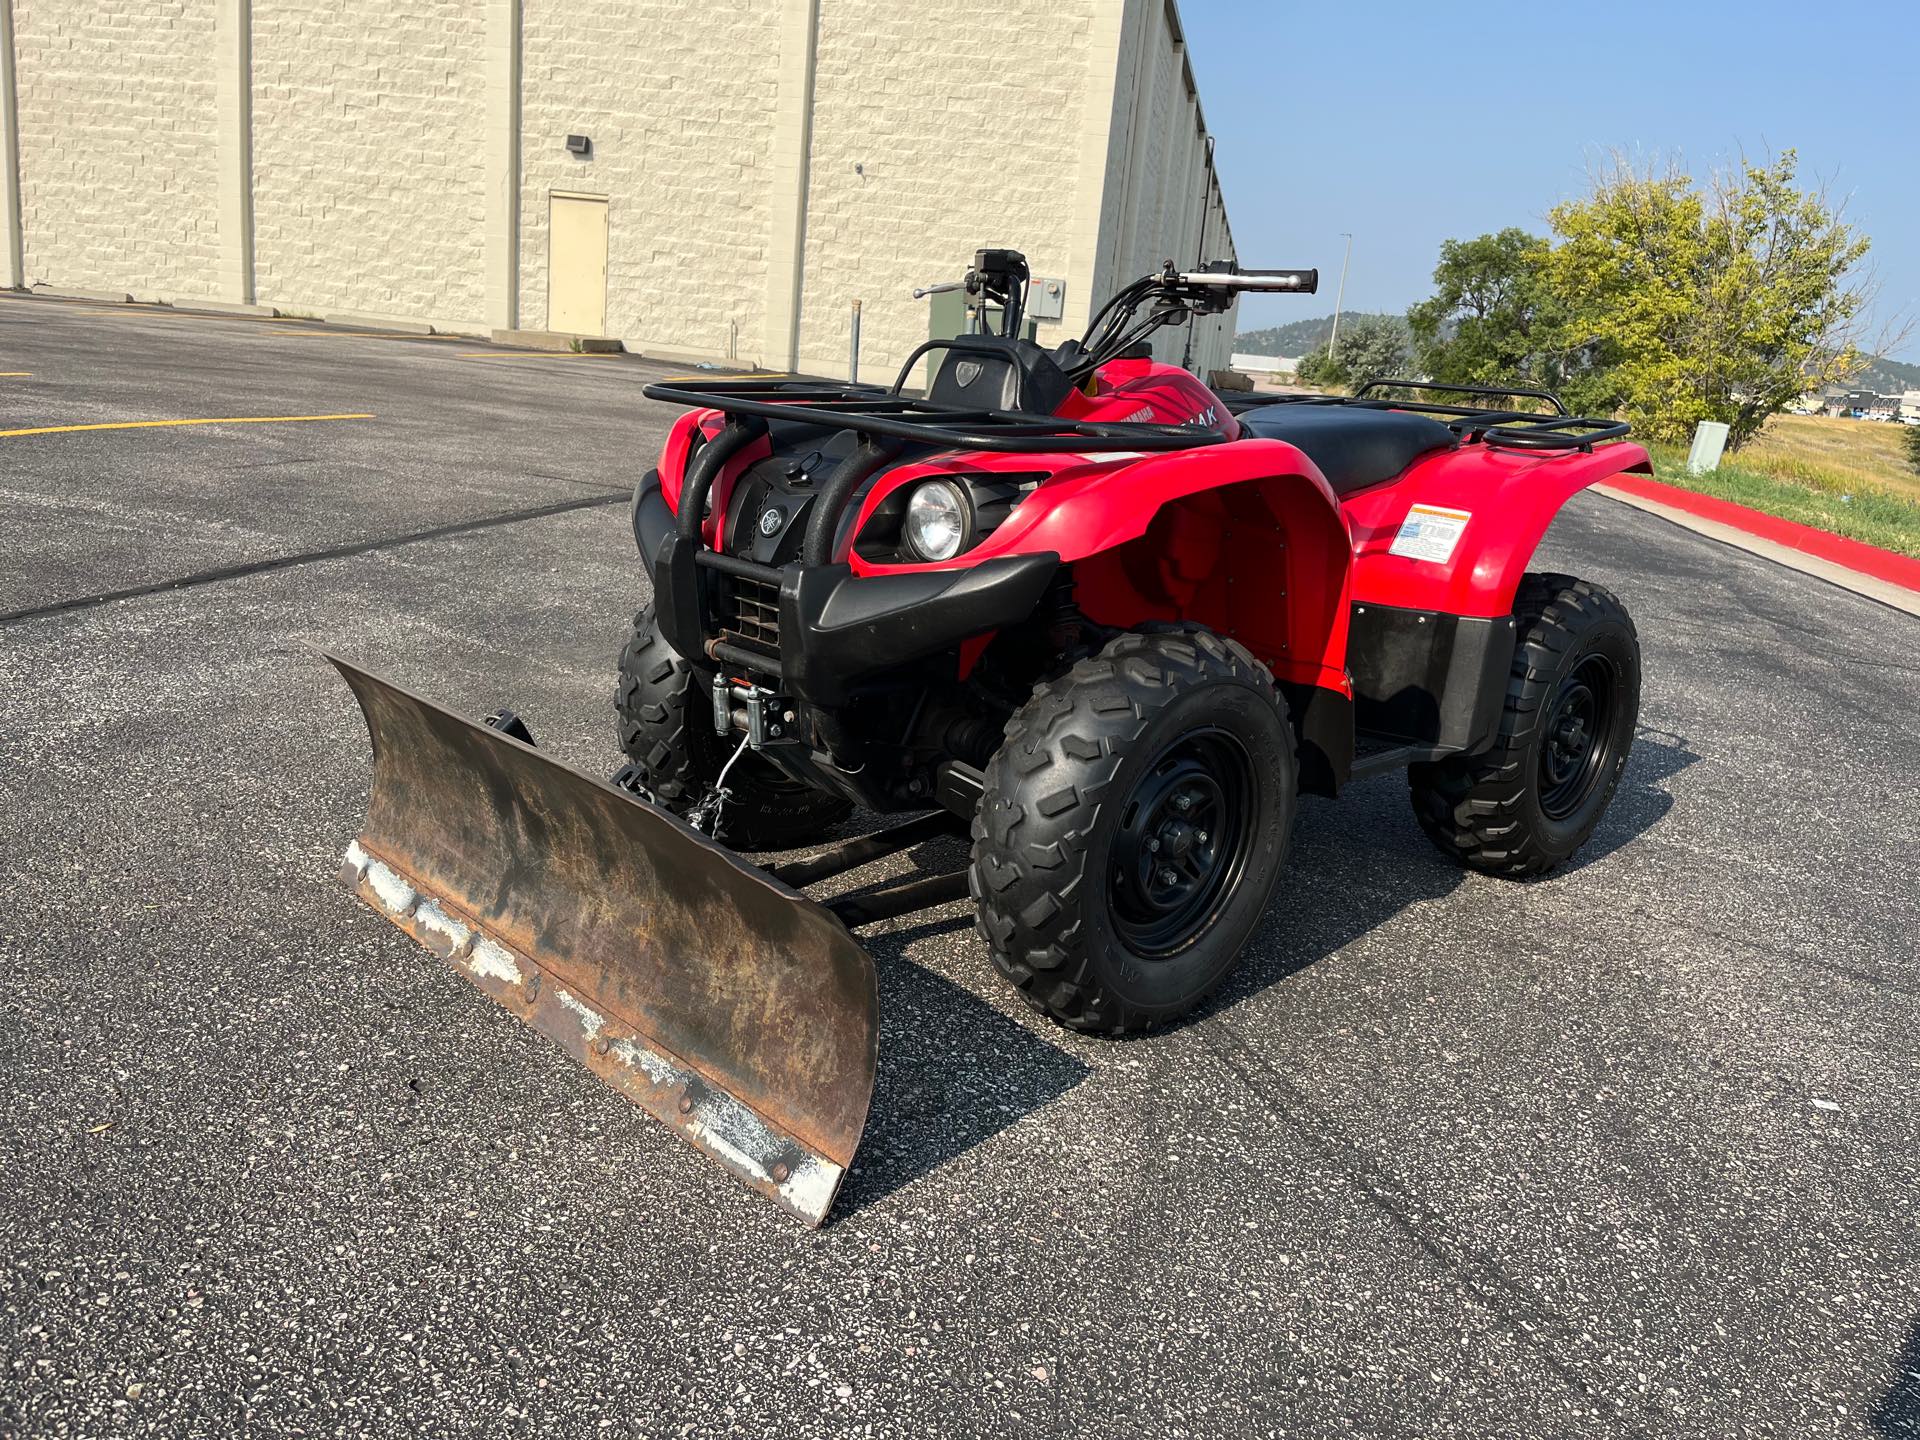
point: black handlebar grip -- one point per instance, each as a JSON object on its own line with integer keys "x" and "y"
{"x": 1306, "y": 282}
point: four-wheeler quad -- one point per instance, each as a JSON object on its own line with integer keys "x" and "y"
{"x": 1068, "y": 599}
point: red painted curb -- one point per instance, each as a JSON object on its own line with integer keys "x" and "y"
{"x": 1855, "y": 555}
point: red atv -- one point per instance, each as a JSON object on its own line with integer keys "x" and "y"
{"x": 1069, "y": 599}
{"x": 1118, "y": 625}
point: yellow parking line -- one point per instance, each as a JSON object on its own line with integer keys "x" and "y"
{"x": 734, "y": 375}
{"x": 163, "y": 312}
{"x": 355, "y": 335}
{"x": 536, "y": 355}
{"x": 162, "y": 424}
{"x": 16, "y": 374}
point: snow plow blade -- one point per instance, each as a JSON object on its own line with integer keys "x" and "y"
{"x": 733, "y": 1009}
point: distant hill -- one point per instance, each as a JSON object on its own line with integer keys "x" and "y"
{"x": 1301, "y": 336}
{"x": 1883, "y": 376}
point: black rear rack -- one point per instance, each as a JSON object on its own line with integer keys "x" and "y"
{"x": 872, "y": 411}
{"x": 1553, "y": 429}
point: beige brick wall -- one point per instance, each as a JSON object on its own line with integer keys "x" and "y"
{"x": 957, "y": 150}
{"x": 679, "y": 103}
{"x": 369, "y": 128}
{"x": 118, "y": 157}
{"x": 382, "y": 142}
{"x": 953, "y": 155}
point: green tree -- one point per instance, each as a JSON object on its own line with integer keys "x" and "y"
{"x": 1315, "y": 368}
{"x": 1495, "y": 319}
{"x": 1726, "y": 302}
{"x": 1372, "y": 345}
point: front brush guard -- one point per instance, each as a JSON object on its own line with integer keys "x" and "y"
{"x": 727, "y": 1005}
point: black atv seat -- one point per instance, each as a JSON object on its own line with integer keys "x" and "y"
{"x": 1353, "y": 447}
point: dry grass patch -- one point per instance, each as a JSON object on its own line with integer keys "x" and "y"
{"x": 1827, "y": 454}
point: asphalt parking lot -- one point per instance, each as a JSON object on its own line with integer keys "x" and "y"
{"x": 1631, "y": 1151}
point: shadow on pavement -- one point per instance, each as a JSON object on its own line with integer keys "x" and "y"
{"x": 1349, "y": 873}
{"x": 1642, "y": 800}
{"x": 1898, "y": 1414}
{"x": 953, "y": 1072}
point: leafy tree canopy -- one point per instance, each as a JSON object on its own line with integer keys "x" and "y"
{"x": 1493, "y": 318}
{"x": 1369, "y": 346}
{"x": 1665, "y": 300}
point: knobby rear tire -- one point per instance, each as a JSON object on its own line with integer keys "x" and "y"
{"x": 1499, "y": 811}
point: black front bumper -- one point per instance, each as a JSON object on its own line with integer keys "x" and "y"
{"x": 834, "y": 627}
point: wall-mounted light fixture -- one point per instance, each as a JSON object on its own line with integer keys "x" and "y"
{"x": 580, "y": 145}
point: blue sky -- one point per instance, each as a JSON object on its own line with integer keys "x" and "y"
{"x": 1409, "y": 124}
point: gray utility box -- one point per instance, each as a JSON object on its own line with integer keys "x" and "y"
{"x": 1046, "y": 298}
{"x": 951, "y": 313}
{"x": 1709, "y": 444}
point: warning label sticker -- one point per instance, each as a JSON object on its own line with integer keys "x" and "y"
{"x": 1430, "y": 533}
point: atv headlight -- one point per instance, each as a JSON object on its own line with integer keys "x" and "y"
{"x": 938, "y": 518}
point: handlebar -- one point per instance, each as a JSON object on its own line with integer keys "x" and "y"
{"x": 1299, "y": 282}
{"x": 1169, "y": 296}
{"x": 998, "y": 277}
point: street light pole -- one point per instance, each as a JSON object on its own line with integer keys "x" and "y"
{"x": 1340, "y": 298}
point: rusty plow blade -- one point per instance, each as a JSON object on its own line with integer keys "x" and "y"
{"x": 728, "y": 1006}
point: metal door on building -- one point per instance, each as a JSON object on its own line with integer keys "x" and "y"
{"x": 576, "y": 263}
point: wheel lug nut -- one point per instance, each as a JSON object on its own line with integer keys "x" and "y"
{"x": 1183, "y": 802}
{"x": 1167, "y": 877}
{"x": 1153, "y": 845}
{"x": 1201, "y": 836}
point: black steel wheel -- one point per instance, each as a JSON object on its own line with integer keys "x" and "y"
{"x": 1182, "y": 842}
{"x": 1576, "y": 739}
{"x": 1133, "y": 827}
{"x": 1527, "y": 803}
{"x": 666, "y": 729}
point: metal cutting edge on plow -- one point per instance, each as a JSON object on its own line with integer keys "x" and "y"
{"x": 729, "y": 1006}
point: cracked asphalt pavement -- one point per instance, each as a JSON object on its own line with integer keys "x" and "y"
{"x": 1633, "y": 1150}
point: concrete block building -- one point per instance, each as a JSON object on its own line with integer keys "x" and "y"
{"x": 714, "y": 181}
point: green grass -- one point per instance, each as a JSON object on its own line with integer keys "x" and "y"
{"x": 1841, "y": 501}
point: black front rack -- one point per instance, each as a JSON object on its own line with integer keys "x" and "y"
{"x": 1549, "y": 429}
{"x": 893, "y": 416}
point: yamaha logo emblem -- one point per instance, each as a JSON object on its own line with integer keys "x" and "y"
{"x": 771, "y": 522}
{"x": 966, "y": 372}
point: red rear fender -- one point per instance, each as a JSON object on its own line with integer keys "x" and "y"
{"x": 1483, "y": 514}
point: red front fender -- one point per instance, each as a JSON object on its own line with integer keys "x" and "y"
{"x": 1245, "y": 538}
